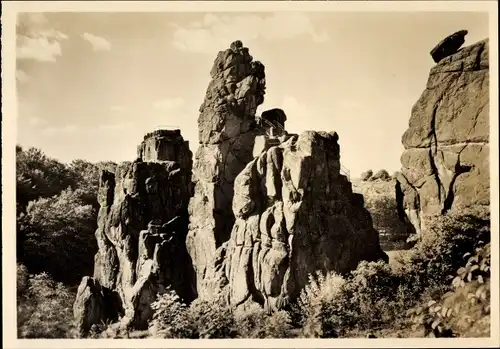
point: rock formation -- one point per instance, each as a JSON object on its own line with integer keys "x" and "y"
{"x": 267, "y": 209}
{"x": 164, "y": 145}
{"x": 142, "y": 226}
{"x": 448, "y": 45}
{"x": 227, "y": 131}
{"x": 445, "y": 165}
{"x": 295, "y": 214}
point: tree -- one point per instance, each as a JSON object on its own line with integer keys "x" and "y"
{"x": 57, "y": 236}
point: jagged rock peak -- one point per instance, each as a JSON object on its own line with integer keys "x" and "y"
{"x": 448, "y": 46}
{"x": 235, "y": 91}
{"x": 227, "y": 130}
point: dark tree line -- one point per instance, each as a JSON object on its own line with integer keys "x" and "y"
{"x": 56, "y": 214}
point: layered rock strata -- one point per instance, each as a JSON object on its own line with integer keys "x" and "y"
{"x": 142, "y": 226}
{"x": 227, "y": 131}
{"x": 295, "y": 215}
{"x": 445, "y": 165}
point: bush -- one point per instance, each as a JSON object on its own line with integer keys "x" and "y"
{"x": 438, "y": 252}
{"x": 382, "y": 175}
{"x": 366, "y": 175}
{"x": 257, "y": 323}
{"x": 202, "y": 319}
{"x": 375, "y": 296}
{"x": 44, "y": 307}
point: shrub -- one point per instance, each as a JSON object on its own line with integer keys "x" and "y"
{"x": 464, "y": 309}
{"x": 44, "y": 308}
{"x": 438, "y": 252}
{"x": 255, "y": 322}
{"x": 381, "y": 175}
{"x": 202, "y": 319}
{"x": 366, "y": 175}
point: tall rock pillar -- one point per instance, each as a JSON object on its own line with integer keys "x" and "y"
{"x": 227, "y": 130}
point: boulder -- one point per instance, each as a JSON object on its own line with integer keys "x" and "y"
{"x": 445, "y": 165}
{"x": 448, "y": 46}
{"x": 295, "y": 215}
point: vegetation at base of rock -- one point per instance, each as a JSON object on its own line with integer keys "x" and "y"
{"x": 426, "y": 291}
{"x": 44, "y": 307}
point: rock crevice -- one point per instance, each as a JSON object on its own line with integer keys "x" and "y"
{"x": 445, "y": 165}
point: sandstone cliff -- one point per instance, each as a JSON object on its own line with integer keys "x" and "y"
{"x": 142, "y": 226}
{"x": 227, "y": 131}
{"x": 445, "y": 165}
{"x": 295, "y": 215}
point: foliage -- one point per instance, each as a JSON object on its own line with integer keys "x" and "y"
{"x": 44, "y": 307}
{"x": 468, "y": 302}
{"x": 202, "y": 319}
{"x": 58, "y": 236}
{"x": 375, "y": 296}
{"x": 255, "y": 322}
{"x": 39, "y": 176}
{"x": 214, "y": 319}
{"x": 57, "y": 214}
{"x": 366, "y": 175}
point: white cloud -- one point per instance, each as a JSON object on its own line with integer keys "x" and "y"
{"x": 36, "y": 121}
{"x": 98, "y": 43}
{"x": 36, "y": 40}
{"x": 21, "y": 76}
{"x": 116, "y": 127}
{"x": 169, "y": 104}
{"x": 221, "y": 30}
{"x": 118, "y": 108}
{"x": 53, "y": 130}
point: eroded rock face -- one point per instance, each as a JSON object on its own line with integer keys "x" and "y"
{"x": 295, "y": 214}
{"x": 142, "y": 226}
{"x": 445, "y": 165}
{"x": 227, "y": 130}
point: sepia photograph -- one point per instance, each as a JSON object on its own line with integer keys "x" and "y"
{"x": 249, "y": 171}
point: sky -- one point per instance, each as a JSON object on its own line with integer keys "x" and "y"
{"x": 90, "y": 85}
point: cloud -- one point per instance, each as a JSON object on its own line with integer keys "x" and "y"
{"x": 53, "y": 130}
{"x": 168, "y": 104}
{"x": 36, "y": 121}
{"x": 98, "y": 43}
{"x": 21, "y": 76}
{"x": 36, "y": 39}
{"x": 221, "y": 30}
{"x": 116, "y": 127}
{"x": 118, "y": 108}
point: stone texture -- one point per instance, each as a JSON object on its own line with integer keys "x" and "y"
{"x": 448, "y": 46}
{"x": 227, "y": 131}
{"x": 142, "y": 226}
{"x": 445, "y": 165}
{"x": 163, "y": 145}
{"x": 295, "y": 214}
